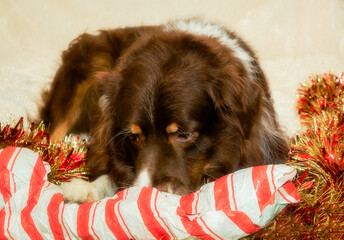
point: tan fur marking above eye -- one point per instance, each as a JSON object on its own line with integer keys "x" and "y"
{"x": 135, "y": 129}
{"x": 172, "y": 128}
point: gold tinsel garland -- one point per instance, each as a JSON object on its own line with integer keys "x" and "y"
{"x": 66, "y": 158}
{"x": 317, "y": 153}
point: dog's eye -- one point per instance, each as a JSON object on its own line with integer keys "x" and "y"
{"x": 134, "y": 138}
{"x": 184, "y": 137}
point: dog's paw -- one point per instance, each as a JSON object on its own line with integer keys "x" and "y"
{"x": 80, "y": 191}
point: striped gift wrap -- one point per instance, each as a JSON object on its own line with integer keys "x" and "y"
{"x": 231, "y": 207}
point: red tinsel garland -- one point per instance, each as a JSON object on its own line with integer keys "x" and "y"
{"x": 317, "y": 153}
{"x": 66, "y": 158}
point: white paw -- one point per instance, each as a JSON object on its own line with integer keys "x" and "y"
{"x": 80, "y": 191}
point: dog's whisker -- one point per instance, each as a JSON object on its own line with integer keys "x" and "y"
{"x": 120, "y": 141}
{"x": 124, "y": 132}
{"x": 197, "y": 145}
{"x": 208, "y": 175}
{"x": 126, "y": 185}
{"x": 120, "y": 188}
{"x": 126, "y": 166}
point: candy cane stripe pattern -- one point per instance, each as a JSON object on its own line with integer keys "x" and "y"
{"x": 231, "y": 207}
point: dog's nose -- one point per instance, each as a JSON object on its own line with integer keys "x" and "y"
{"x": 165, "y": 188}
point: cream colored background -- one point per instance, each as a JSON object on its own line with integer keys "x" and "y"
{"x": 293, "y": 39}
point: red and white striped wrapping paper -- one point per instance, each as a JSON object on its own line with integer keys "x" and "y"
{"x": 231, "y": 207}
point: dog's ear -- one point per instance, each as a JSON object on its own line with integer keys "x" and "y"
{"x": 237, "y": 99}
{"x": 103, "y": 117}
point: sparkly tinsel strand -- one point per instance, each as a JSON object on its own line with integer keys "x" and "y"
{"x": 66, "y": 158}
{"x": 317, "y": 153}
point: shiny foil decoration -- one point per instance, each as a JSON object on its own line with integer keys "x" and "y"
{"x": 317, "y": 153}
{"x": 66, "y": 158}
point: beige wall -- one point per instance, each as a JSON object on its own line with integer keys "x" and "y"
{"x": 293, "y": 38}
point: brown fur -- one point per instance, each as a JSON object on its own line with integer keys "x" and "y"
{"x": 181, "y": 105}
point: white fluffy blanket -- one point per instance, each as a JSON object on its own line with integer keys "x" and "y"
{"x": 293, "y": 39}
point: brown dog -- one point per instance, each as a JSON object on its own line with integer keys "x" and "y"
{"x": 166, "y": 106}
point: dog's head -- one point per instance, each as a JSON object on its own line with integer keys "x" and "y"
{"x": 177, "y": 110}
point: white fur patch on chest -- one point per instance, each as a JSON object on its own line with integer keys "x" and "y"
{"x": 209, "y": 29}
